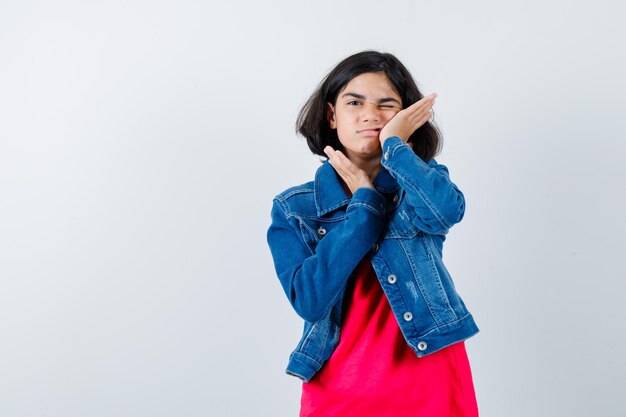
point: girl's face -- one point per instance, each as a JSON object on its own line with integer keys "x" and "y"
{"x": 363, "y": 107}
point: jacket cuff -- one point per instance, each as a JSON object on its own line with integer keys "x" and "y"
{"x": 391, "y": 145}
{"x": 370, "y": 199}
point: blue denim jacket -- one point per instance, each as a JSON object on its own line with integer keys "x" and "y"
{"x": 319, "y": 234}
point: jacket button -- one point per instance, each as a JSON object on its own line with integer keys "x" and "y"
{"x": 387, "y": 155}
{"x": 375, "y": 248}
{"x": 422, "y": 345}
{"x": 408, "y": 316}
{"x": 395, "y": 198}
{"x": 392, "y": 279}
{"x": 321, "y": 231}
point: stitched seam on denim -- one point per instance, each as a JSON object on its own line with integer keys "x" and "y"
{"x": 283, "y": 206}
{"x": 399, "y": 291}
{"x": 309, "y": 357}
{"x": 431, "y": 206}
{"x": 335, "y": 298}
{"x": 419, "y": 283}
{"x": 331, "y": 208}
{"x": 320, "y": 219}
{"x": 432, "y": 245}
{"x": 449, "y": 324}
{"x": 318, "y": 201}
{"x": 306, "y": 338}
{"x": 326, "y": 333}
{"x": 425, "y": 199}
{"x": 425, "y": 242}
{"x": 294, "y": 192}
{"x": 300, "y": 234}
{"x": 393, "y": 151}
{"x": 367, "y": 206}
{"x": 298, "y": 215}
{"x": 302, "y": 377}
{"x": 439, "y": 283}
{"x": 308, "y": 228}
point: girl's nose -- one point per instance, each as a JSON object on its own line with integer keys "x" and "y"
{"x": 371, "y": 111}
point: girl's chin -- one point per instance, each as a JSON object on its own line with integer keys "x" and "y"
{"x": 370, "y": 146}
{"x": 365, "y": 147}
{"x": 369, "y": 150}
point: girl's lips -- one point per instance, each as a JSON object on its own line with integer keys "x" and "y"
{"x": 371, "y": 132}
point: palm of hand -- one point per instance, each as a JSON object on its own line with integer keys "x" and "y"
{"x": 408, "y": 120}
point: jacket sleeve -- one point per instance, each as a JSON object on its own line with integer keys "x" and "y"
{"x": 437, "y": 202}
{"x": 313, "y": 282}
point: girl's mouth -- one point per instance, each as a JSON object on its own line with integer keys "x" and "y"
{"x": 370, "y": 132}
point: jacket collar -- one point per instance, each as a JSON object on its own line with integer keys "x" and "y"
{"x": 330, "y": 195}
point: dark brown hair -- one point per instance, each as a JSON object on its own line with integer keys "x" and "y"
{"x": 312, "y": 122}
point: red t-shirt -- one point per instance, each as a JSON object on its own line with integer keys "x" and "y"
{"x": 374, "y": 372}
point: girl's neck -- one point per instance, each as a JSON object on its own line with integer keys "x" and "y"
{"x": 370, "y": 165}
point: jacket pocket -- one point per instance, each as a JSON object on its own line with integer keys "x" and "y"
{"x": 313, "y": 230}
{"x": 308, "y": 235}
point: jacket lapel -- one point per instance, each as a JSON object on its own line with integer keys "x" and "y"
{"x": 330, "y": 195}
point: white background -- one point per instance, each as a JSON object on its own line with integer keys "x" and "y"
{"x": 141, "y": 144}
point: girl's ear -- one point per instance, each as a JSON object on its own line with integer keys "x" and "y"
{"x": 330, "y": 116}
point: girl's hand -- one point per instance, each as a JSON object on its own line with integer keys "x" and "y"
{"x": 408, "y": 120}
{"x": 353, "y": 176}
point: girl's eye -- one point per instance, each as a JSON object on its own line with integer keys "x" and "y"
{"x": 353, "y": 103}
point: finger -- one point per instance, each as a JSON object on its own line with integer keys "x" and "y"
{"x": 338, "y": 161}
{"x": 416, "y": 120}
{"x": 423, "y": 119}
{"x": 330, "y": 152}
{"x": 425, "y": 102}
{"x": 346, "y": 162}
{"x": 341, "y": 162}
{"x": 419, "y": 115}
{"x": 413, "y": 108}
{"x": 345, "y": 167}
{"x": 332, "y": 159}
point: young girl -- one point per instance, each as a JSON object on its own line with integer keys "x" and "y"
{"x": 358, "y": 252}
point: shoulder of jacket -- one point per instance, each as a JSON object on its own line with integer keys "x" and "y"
{"x": 295, "y": 191}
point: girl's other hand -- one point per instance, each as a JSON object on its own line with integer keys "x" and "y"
{"x": 408, "y": 120}
{"x": 353, "y": 176}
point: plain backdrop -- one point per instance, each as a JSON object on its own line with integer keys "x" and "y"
{"x": 141, "y": 144}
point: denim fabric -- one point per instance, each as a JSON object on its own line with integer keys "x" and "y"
{"x": 319, "y": 234}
